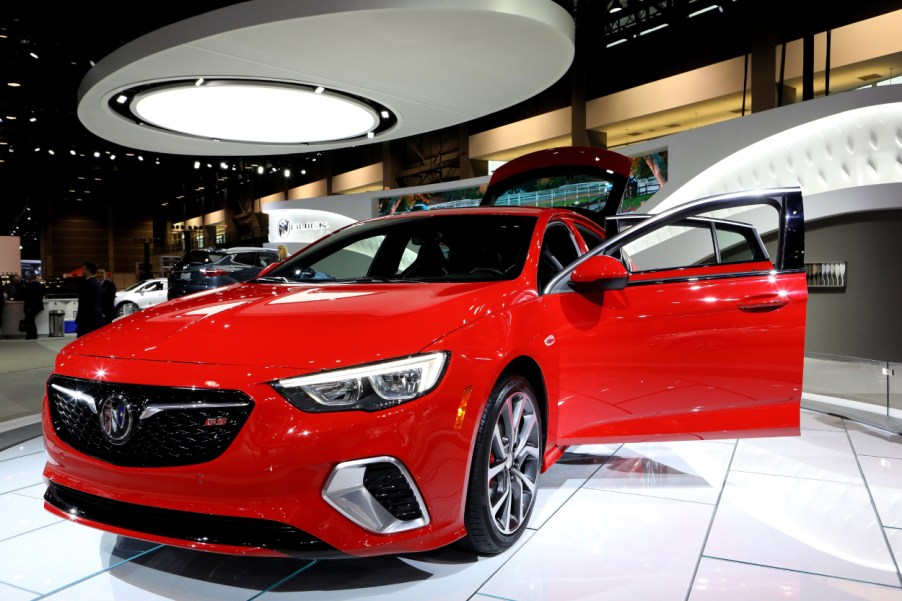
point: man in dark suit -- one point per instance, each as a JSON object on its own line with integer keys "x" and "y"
{"x": 34, "y": 304}
{"x": 107, "y": 296}
{"x": 89, "y": 316}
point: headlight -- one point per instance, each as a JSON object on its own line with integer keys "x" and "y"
{"x": 367, "y": 387}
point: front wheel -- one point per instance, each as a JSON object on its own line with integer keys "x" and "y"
{"x": 507, "y": 460}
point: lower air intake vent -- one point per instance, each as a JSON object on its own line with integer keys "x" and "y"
{"x": 378, "y": 494}
{"x": 390, "y": 488}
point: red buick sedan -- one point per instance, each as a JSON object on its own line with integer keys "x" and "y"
{"x": 402, "y": 383}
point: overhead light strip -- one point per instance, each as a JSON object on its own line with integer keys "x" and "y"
{"x": 705, "y": 10}
{"x": 659, "y": 27}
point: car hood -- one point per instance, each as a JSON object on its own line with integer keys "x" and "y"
{"x": 306, "y": 327}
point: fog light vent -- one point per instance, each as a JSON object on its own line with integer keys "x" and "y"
{"x": 390, "y": 488}
{"x": 377, "y": 494}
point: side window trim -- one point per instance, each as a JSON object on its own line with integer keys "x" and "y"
{"x": 712, "y": 228}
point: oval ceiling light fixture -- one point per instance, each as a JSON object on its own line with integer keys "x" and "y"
{"x": 507, "y": 52}
{"x": 256, "y": 112}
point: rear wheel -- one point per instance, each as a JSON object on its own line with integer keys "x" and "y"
{"x": 126, "y": 308}
{"x": 506, "y": 464}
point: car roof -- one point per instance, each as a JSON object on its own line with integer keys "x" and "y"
{"x": 244, "y": 249}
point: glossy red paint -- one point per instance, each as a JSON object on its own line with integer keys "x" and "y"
{"x": 594, "y": 158}
{"x": 674, "y": 355}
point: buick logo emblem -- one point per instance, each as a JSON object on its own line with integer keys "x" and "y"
{"x": 115, "y": 419}
{"x": 284, "y": 227}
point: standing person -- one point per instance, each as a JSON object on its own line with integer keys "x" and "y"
{"x": 89, "y": 316}
{"x": 283, "y": 252}
{"x": 34, "y": 304}
{"x": 107, "y": 296}
{"x": 15, "y": 289}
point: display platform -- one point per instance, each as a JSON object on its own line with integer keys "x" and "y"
{"x": 817, "y": 516}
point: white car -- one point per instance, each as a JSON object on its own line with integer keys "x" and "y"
{"x": 140, "y": 296}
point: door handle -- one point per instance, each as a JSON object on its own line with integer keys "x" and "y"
{"x": 763, "y": 302}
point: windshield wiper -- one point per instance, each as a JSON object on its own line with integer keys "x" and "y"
{"x": 267, "y": 279}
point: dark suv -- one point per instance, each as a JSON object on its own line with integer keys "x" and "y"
{"x": 203, "y": 269}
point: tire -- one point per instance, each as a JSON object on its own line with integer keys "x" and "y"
{"x": 126, "y": 308}
{"x": 504, "y": 477}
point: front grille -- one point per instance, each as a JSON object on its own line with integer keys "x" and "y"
{"x": 188, "y": 526}
{"x": 387, "y": 484}
{"x": 147, "y": 426}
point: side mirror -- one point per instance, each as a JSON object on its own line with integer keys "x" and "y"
{"x": 600, "y": 272}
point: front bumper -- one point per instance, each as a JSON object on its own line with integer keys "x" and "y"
{"x": 275, "y": 471}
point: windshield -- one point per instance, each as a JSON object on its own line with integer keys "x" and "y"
{"x": 440, "y": 248}
{"x": 133, "y": 286}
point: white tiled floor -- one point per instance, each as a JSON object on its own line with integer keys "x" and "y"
{"x": 811, "y": 517}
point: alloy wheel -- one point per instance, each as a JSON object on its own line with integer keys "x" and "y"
{"x": 514, "y": 462}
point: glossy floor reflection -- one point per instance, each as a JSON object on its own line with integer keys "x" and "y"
{"x": 812, "y": 517}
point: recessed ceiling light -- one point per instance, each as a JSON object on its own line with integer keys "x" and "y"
{"x": 121, "y": 98}
{"x": 14, "y": 84}
{"x": 260, "y": 112}
{"x": 32, "y": 55}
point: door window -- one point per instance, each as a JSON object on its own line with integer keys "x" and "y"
{"x": 694, "y": 243}
{"x": 245, "y": 258}
{"x": 264, "y": 259}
